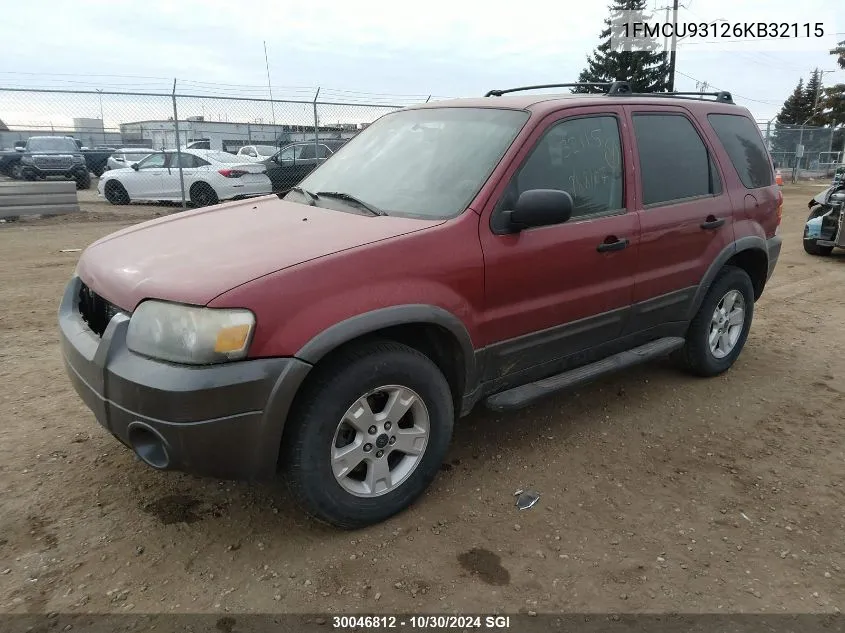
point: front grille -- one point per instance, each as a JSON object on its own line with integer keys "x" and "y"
{"x": 95, "y": 311}
{"x": 53, "y": 162}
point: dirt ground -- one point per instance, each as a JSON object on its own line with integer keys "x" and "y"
{"x": 659, "y": 492}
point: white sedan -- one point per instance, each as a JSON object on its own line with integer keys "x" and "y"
{"x": 210, "y": 176}
{"x": 257, "y": 152}
{"x": 127, "y": 156}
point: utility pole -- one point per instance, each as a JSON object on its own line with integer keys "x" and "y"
{"x": 672, "y": 54}
{"x": 269, "y": 85}
{"x": 102, "y": 121}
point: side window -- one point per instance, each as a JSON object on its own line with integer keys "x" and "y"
{"x": 187, "y": 161}
{"x": 741, "y": 140}
{"x": 323, "y": 151}
{"x": 580, "y": 156}
{"x": 674, "y": 162}
{"x": 152, "y": 161}
{"x": 307, "y": 152}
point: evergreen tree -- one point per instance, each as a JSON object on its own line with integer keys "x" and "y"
{"x": 808, "y": 103}
{"x": 647, "y": 70}
{"x": 839, "y": 51}
{"x": 790, "y": 114}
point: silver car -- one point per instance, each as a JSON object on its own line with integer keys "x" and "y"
{"x": 128, "y": 156}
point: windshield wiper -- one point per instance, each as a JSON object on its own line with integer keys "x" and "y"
{"x": 311, "y": 196}
{"x": 350, "y": 198}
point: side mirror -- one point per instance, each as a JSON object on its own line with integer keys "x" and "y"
{"x": 135, "y": 166}
{"x": 540, "y": 207}
{"x": 18, "y": 148}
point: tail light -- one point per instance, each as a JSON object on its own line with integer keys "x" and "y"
{"x": 232, "y": 173}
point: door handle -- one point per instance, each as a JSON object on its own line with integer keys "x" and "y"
{"x": 612, "y": 243}
{"x": 712, "y": 222}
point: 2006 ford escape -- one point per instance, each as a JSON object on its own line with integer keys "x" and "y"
{"x": 479, "y": 250}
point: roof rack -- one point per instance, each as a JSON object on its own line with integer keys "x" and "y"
{"x": 723, "y": 96}
{"x": 615, "y": 87}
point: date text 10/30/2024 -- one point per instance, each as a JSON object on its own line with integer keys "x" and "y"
{"x": 489, "y": 622}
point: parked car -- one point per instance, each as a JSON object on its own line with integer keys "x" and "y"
{"x": 96, "y": 158}
{"x": 257, "y": 152}
{"x": 825, "y": 226}
{"x": 209, "y": 177}
{"x": 127, "y": 156}
{"x": 52, "y": 157}
{"x": 293, "y": 162}
{"x": 492, "y": 250}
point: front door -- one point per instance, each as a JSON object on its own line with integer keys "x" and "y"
{"x": 554, "y": 294}
{"x": 146, "y": 182}
{"x": 686, "y": 217}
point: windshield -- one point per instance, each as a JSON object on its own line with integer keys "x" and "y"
{"x": 429, "y": 162}
{"x": 52, "y": 144}
{"x": 135, "y": 157}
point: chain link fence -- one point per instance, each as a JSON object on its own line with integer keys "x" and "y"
{"x": 804, "y": 152}
{"x": 187, "y": 148}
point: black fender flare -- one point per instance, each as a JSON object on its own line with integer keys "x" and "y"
{"x": 749, "y": 242}
{"x": 369, "y": 322}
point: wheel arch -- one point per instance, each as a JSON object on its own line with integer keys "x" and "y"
{"x": 429, "y": 329}
{"x": 748, "y": 253}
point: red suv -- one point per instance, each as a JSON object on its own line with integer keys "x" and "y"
{"x": 490, "y": 250}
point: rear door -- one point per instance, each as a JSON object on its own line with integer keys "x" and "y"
{"x": 171, "y": 185}
{"x": 685, "y": 216}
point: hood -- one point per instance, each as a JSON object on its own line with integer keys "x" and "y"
{"x": 192, "y": 257}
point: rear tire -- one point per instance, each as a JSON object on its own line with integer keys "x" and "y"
{"x": 716, "y": 336}
{"x": 116, "y": 193}
{"x": 373, "y": 481}
{"x": 203, "y": 195}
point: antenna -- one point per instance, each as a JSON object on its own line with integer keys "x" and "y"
{"x": 269, "y": 85}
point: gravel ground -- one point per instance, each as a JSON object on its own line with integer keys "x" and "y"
{"x": 659, "y": 492}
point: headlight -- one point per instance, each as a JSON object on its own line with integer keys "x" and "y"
{"x": 78, "y": 160}
{"x": 189, "y": 334}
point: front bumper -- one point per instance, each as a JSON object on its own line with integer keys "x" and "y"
{"x": 773, "y": 245}
{"x": 221, "y": 421}
{"x": 76, "y": 171}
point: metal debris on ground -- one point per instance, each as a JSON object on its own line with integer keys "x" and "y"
{"x": 526, "y": 498}
{"x": 70, "y": 250}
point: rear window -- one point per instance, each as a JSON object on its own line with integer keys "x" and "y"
{"x": 741, "y": 140}
{"x": 674, "y": 162}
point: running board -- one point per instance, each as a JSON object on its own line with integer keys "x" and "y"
{"x": 525, "y": 395}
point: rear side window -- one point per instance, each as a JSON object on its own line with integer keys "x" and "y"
{"x": 674, "y": 162}
{"x": 741, "y": 140}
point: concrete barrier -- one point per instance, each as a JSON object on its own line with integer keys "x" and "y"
{"x": 22, "y": 198}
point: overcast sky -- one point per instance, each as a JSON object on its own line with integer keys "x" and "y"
{"x": 393, "y": 51}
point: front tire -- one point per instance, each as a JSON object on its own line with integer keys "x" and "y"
{"x": 116, "y": 193}
{"x": 719, "y": 330}
{"x": 812, "y": 248}
{"x": 368, "y": 434}
{"x": 83, "y": 181}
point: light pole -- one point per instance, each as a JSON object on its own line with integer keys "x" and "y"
{"x": 102, "y": 121}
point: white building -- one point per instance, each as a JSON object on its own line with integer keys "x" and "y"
{"x": 225, "y": 135}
